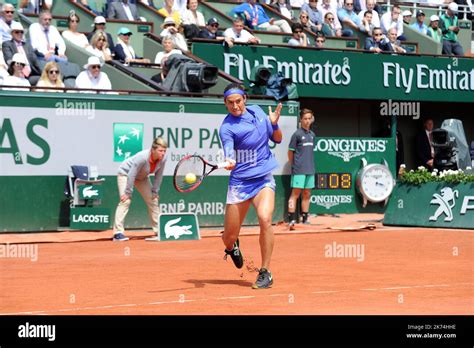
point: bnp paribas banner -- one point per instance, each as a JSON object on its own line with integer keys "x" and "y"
{"x": 45, "y": 141}
{"x": 352, "y": 75}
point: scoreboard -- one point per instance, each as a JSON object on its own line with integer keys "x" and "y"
{"x": 337, "y": 162}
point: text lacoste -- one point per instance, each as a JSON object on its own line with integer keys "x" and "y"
{"x": 91, "y": 218}
{"x": 37, "y": 331}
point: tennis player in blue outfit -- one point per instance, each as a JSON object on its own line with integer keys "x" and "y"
{"x": 244, "y": 134}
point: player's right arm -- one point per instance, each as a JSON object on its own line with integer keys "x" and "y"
{"x": 227, "y": 140}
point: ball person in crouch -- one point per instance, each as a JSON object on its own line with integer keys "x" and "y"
{"x": 301, "y": 158}
{"x": 134, "y": 171}
{"x": 245, "y": 133}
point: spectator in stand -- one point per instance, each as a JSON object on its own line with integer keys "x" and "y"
{"x": 72, "y": 35}
{"x": 180, "y": 6}
{"x": 329, "y": 26}
{"x": 407, "y": 17}
{"x": 15, "y": 73}
{"x": 122, "y": 10}
{"x": 348, "y": 17}
{"x": 420, "y": 25}
{"x": 192, "y": 15}
{"x": 327, "y": 7}
{"x": 376, "y": 43}
{"x": 100, "y": 47}
{"x": 315, "y": 16}
{"x": 375, "y": 15}
{"x": 17, "y": 44}
{"x": 211, "y": 31}
{"x": 170, "y": 29}
{"x": 283, "y": 7}
{"x": 160, "y": 78}
{"x": 366, "y": 26}
{"x": 297, "y": 3}
{"x": 168, "y": 50}
{"x": 168, "y": 11}
{"x": 433, "y": 30}
{"x": 3, "y": 68}
{"x": 92, "y": 77}
{"x": 320, "y": 41}
{"x": 99, "y": 25}
{"x": 449, "y": 27}
{"x": 299, "y": 37}
{"x": 6, "y": 21}
{"x": 237, "y": 34}
{"x": 35, "y": 6}
{"x": 51, "y": 77}
{"x": 393, "y": 19}
{"x": 124, "y": 50}
{"x": 46, "y": 40}
{"x": 85, "y": 3}
{"x": 306, "y": 23}
{"x": 256, "y": 18}
{"x": 393, "y": 42}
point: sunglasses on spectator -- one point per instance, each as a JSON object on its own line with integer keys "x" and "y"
{"x": 215, "y": 25}
{"x": 9, "y": 12}
{"x": 20, "y": 64}
{"x": 53, "y": 72}
{"x": 330, "y": 18}
{"x": 320, "y": 41}
{"x": 303, "y": 16}
{"x": 95, "y": 66}
{"x": 377, "y": 34}
{"x": 349, "y": 4}
{"x": 17, "y": 31}
{"x": 169, "y": 25}
{"x": 74, "y": 21}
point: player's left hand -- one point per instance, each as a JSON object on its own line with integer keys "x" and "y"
{"x": 275, "y": 116}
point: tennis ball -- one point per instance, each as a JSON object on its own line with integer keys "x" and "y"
{"x": 190, "y": 178}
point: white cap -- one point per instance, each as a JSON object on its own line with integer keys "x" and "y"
{"x": 16, "y": 26}
{"x": 99, "y": 20}
{"x": 18, "y": 58}
{"x": 406, "y": 13}
{"x": 434, "y": 18}
{"x": 93, "y": 61}
{"x": 453, "y": 7}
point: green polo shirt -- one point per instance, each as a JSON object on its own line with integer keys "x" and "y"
{"x": 446, "y": 23}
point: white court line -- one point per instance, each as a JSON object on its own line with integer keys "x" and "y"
{"x": 77, "y": 309}
{"x": 328, "y": 291}
{"x": 234, "y": 297}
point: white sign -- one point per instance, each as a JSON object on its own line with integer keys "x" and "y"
{"x": 41, "y": 141}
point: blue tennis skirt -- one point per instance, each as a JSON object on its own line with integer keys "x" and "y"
{"x": 243, "y": 190}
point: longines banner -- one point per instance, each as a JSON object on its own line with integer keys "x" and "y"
{"x": 431, "y": 205}
{"x": 352, "y": 75}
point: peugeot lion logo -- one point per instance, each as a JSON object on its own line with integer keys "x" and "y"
{"x": 446, "y": 202}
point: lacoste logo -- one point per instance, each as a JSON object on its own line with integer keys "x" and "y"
{"x": 446, "y": 202}
{"x": 88, "y": 192}
{"x": 346, "y": 156}
{"x": 171, "y": 230}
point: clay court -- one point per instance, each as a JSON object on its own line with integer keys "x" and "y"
{"x": 396, "y": 271}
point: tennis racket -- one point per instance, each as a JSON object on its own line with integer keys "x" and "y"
{"x": 191, "y": 171}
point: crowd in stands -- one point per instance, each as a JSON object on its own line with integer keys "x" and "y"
{"x": 41, "y": 60}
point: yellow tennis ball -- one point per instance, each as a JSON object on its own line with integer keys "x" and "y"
{"x": 190, "y": 178}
